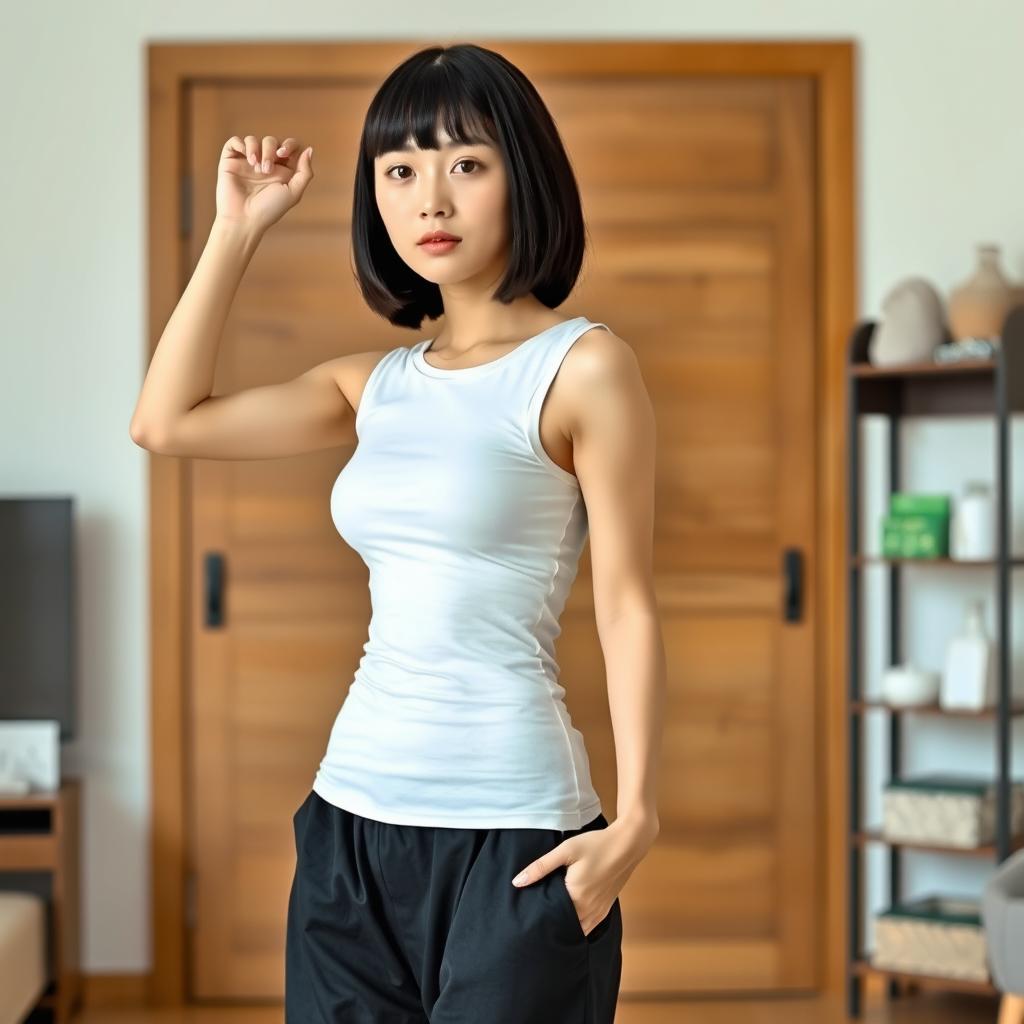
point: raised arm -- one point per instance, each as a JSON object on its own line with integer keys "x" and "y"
{"x": 176, "y": 414}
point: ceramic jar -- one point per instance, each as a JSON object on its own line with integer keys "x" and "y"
{"x": 978, "y": 306}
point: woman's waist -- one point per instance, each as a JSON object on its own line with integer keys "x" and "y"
{"x": 469, "y": 691}
{"x": 509, "y": 678}
{"x": 410, "y": 733}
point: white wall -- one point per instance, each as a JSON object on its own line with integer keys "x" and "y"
{"x": 940, "y": 161}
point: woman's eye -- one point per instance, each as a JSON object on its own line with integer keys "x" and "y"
{"x": 405, "y": 167}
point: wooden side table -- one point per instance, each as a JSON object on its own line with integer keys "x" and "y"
{"x": 40, "y": 832}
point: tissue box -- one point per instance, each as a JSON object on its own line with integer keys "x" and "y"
{"x": 935, "y": 935}
{"x": 946, "y": 810}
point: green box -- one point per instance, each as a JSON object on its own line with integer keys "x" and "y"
{"x": 904, "y": 503}
{"x": 916, "y": 536}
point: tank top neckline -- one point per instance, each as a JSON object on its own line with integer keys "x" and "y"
{"x": 430, "y": 370}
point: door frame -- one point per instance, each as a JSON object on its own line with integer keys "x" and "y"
{"x": 170, "y": 69}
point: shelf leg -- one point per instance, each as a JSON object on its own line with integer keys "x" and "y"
{"x": 854, "y": 991}
{"x": 1011, "y": 1009}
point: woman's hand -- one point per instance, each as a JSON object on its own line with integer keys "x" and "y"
{"x": 259, "y": 181}
{"x": 599, "y": 865}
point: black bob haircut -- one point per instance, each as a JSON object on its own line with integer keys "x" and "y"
{"x": 479, "y": 97}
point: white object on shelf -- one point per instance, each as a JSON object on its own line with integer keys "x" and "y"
{"x": 912, "y": 324}
{"x": 973, "y": 528}
{"x": 30, "y": 752}
{"x": 12, "y": 786}
{"x": 968, "y": 679}
{"x": 909, "y": 686}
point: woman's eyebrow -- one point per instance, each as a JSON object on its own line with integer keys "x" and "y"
{"x": 451, "y": 145}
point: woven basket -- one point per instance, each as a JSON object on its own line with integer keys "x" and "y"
{"x": 936, "y": 935}
{"x": 946, "y": 810}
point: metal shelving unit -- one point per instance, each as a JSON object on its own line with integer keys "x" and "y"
{"x": 990, "y": 386}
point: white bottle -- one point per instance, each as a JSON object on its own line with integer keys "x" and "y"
{"x": 968, "y": 680}
{"x": 973, "y": 529}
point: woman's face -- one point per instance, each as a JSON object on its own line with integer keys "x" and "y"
{"x": 460, "y": 189}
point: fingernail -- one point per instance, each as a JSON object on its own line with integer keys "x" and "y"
{"x": 266, "y": 166}
{"x": 280, "y": 150}
{"x": 520, "y": 878}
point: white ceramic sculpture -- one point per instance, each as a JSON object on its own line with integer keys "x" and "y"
{"x": 912, "y": 326}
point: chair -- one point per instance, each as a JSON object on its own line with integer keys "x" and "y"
{"x": 1002, "y": 911}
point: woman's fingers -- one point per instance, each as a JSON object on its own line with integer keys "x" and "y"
{"x": 252, "y": 149}
{"x": 263, "y": 154}
{"x": 285, "y": 150}
{"x": 267, "y": 156}
{"x": 233, "y": 146}
{"x": 303, "y": 173}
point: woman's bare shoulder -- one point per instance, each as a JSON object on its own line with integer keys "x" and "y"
{"x": 352, "y": 371}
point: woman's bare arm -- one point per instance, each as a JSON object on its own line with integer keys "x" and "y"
{"x": 301, "y": 415}
{"x": 176, "y": 414}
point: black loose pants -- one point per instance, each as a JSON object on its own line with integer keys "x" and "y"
{"x": 408, "y": 924}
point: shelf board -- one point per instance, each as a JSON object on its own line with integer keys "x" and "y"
{"x": 865, "y": 967}
{"x": 921, "y": 369}
{"x": 860, "y": 706}
{"x": 960, "y": 563}
{"x": 988, "y": 850}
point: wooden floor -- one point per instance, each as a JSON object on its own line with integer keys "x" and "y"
{"x": 921, "y": 1008}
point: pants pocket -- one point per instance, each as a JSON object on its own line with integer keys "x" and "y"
{"x": 609, "y": 923}
{"x": 569, "y": 906}
{"x": 605, "y": 924}
{"x": 614, "y": 912}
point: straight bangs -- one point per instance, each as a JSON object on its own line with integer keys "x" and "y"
{"x": 418, "y": 105}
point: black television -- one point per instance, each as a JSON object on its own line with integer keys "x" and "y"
{"x": 37, "y": 611}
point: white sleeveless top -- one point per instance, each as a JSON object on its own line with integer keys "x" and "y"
{"x": 472, "y": 535}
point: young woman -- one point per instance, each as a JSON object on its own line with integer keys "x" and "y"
{"x": 453, "y": 861}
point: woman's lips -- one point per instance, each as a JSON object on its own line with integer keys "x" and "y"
{"x": 439, "y": 248}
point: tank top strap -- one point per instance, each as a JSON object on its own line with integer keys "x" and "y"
{"x": 544, "y": 361}
{"x": 531, "y": 367}
{"x": 539, "y": 371}
{"x": 382, "y": 384}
